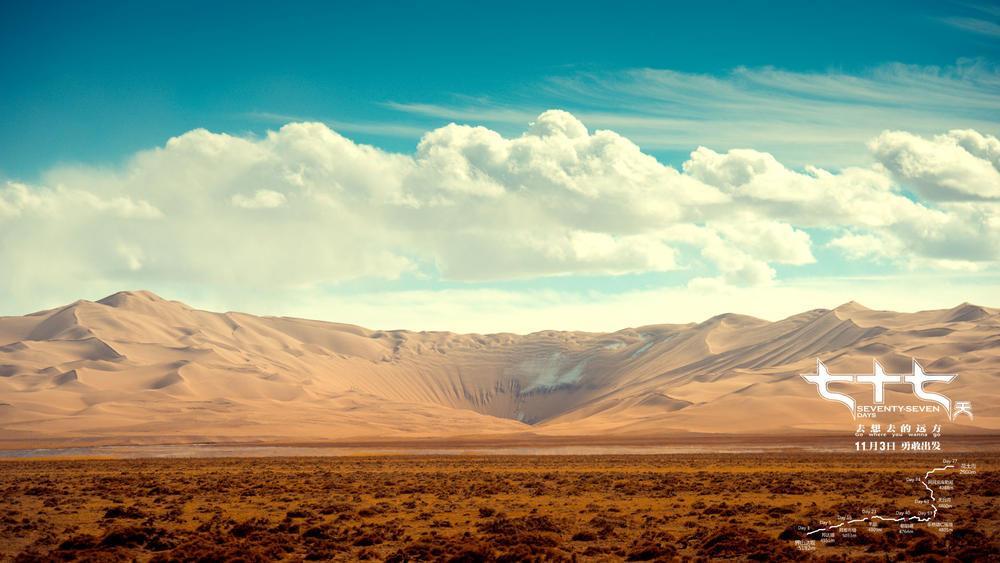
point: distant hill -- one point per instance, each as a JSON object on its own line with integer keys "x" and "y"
{"x": 135, "y": 368}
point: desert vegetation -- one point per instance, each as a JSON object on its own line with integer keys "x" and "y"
{"x": 488, "y": 508}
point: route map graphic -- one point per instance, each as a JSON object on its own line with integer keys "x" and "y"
{"x": 901, "y": 518}
{"x": 931, "y": 484}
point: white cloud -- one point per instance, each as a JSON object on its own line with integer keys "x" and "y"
{"x": 960, "y": 165}
{"x": 304, "y": 207}
{"x": 957, "y": 236}
{"x": 975, "y": 25}
{"x": 18, "y": 199}
{"x": 131, "y": 254}
{"x": 986, "y": 147}
{"x": 261, "y": 199}
{"x": 863, "y": 197}
{"x": 820, "y": 118}
{"x": 769, "y": 240}
{"x": 868, "y": 246}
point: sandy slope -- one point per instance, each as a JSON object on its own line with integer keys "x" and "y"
{"x": 133, "y": 367}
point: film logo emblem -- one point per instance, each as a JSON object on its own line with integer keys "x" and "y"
{"x": 917, "y": 380}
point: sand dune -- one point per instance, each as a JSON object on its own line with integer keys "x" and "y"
{"x": 135, "y": 368}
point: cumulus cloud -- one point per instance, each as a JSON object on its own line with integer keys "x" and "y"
{"x": 868, "y": 209}
{"x": 956, "y": 166}
{"x": 17, "y": 199}
{"x": 261, "y": 199}
{"x": 821, "y": 118}
{"x": 813, "y": 198}
{"x": 867, "y": 246}
{"x": 304, "y": 206}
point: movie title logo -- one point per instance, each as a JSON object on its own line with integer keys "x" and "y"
{"x": 916, "y": 381}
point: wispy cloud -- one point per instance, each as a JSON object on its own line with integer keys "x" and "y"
{"x": 821, "y": 118}
{"x": 990, "y": 9}
{"x": 974, "y": 25}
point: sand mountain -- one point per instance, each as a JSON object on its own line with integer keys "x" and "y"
{"x": 133, "y": 367}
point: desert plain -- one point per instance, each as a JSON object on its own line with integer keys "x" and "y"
{"x": 686, "y": 507}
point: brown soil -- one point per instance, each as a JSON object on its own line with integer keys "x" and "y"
{"x": 491, "y": 508}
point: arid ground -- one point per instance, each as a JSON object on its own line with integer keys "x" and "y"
{"x": 485, "y": 508}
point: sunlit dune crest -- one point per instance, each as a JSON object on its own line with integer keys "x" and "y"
{"x": 136, "y": 368}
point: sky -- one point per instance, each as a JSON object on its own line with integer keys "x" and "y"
{"x": 503, "y": 167}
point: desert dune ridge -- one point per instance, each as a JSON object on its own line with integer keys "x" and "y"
{"x": 135, "y": 368}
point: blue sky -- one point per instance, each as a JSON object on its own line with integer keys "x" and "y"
{"x": 96, "y": 81}
{"x": 93, "y": 91}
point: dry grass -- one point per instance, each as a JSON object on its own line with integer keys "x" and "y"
{"x": 496, "y": 508}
